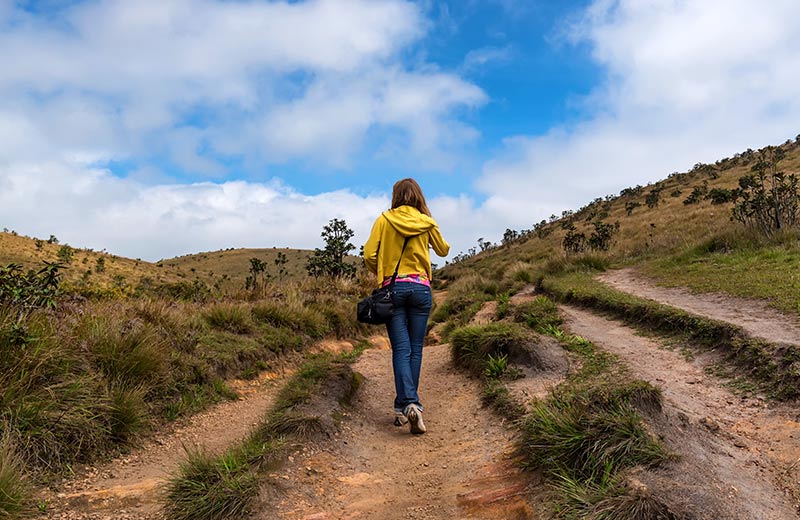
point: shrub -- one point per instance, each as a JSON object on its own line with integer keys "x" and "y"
{"x": 768, "y": 200}
{"x": 574, "y": 242}
{"x": 602, "y": 235}
{"x": 31, "y": 289}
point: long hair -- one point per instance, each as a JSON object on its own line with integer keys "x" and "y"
{"x": 407, "y": 192}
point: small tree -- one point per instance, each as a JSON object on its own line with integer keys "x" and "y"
{"x": 768, "y": 199}
{"x": 256, "y": 276}
{"x": 100, "y": 264}
{"x": 65, "y": 254}
{"x": 52, "y": 240}
{"x": 509, "y": 236}
{"x": 602, "y": 235}
{"x": 280, "y": 263}
{"x": 574, "y": 241}
{"x": 330, "y": 261}
{"x": 653, "y": 198}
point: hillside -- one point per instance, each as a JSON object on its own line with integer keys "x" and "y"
{"x": 678, "y": 242}
{"x": 224, "y": 270}
{"x": 85, "y": 267}
{"x": 229, "y": 267}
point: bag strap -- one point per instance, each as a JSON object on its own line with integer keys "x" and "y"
{"x": 397, "y": 267}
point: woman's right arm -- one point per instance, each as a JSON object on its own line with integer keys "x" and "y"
{"x": 440, "y": 246}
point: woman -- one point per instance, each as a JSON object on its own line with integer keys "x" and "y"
{"x": 408, "y": 219}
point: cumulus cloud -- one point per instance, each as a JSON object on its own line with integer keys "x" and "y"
{"x": 186, "y": 88}
{"x": 685, "y": 82}
{"x": 92, "y": 208}
{"x": 271, "y": 81}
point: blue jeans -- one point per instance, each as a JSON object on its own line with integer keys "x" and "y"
{"x": 412, "y": 305}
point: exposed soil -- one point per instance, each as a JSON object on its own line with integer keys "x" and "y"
{"x": 739, "y": 457}
{"x": 127, "y": 487}
{"x": 461, "y": 468}
{"x": 755, "y": 317}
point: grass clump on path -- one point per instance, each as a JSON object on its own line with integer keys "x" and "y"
{"x": 220, "y": 487}
{"x": 588, "y": 433}
{"x": 773, "y": 368}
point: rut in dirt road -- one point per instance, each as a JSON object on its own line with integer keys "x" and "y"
{"x": 755, "y": 317}
{"x": 742, "y": 453}
{"x": 461, "y": 468}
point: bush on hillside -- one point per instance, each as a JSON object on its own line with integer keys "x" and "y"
{"x": 32, "y": 289}
{"x": 768, "y": 200}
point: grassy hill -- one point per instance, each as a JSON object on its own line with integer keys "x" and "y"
{"x": 229, "y": 267}
{"x": 224, "y": 270}
{"x": 85, "y": 267}
{"x": 680, "y": 238}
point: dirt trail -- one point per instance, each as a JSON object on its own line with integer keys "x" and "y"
{"x": 748, "y": 452}
{"x": 461, "y": 468}
{"x": 755, "y": 317}
{"x": 127, "y": 487}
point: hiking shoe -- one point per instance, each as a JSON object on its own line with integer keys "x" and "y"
{"x": 400, "y": 419}
{"x": 414, "y": 415}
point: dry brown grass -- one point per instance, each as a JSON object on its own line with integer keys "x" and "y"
{"x": 648, "y": 233}
{"x": 22, "y": 250}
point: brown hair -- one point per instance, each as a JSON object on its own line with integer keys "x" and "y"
{"x": 407, "y": 192}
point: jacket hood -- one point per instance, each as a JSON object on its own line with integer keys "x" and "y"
{"x": 408, "y": 221}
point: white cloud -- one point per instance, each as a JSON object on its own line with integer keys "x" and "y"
{"x": 476, "y": 59}
{"x": 685, "y": 82}
{"x": 92, "y": 208}
{"x": 264, "y": 81}
{"x": 184, "y": 88}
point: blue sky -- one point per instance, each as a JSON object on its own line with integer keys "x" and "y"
{"x": 161, "y": 127}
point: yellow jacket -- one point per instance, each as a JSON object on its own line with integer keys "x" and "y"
{"x": 385, "y": 243}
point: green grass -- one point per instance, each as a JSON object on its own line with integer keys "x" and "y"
{"x": 220, "y": 487}
{"x": 774, "y": 369}
{"x": 480, "y": 347}
{"x": 737, "y": 266}
{"x": 588, "y": 432}
{"x": 86, "y": 379}
{"x": 540, "y": 314}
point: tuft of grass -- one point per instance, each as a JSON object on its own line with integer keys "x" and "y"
{"x": 129, "y": 413}
{"x": 473, "y": 345}
{"x": 587, "y": 436}
{"x": 538, "y": 314}
{"x": 211, "y": 488}
{"x": 225, "y": 486}
{"x": 229, "y": 317}
{"x": 16, "y": 497}
{"x": 496, "y": 366}
{"x": 607, "y": 499}
{"x": 296, "y": 317}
